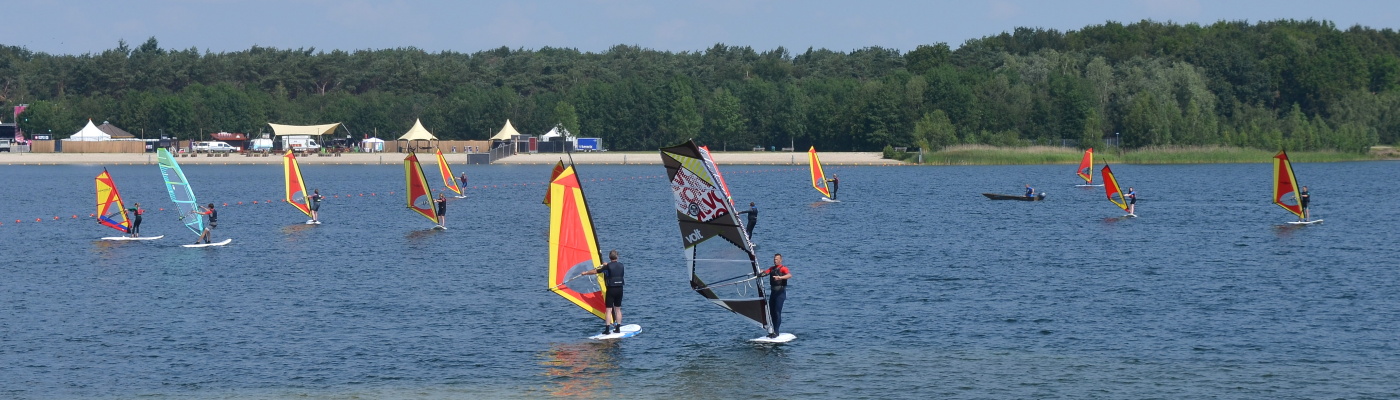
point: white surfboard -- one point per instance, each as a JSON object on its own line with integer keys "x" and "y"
{"x": 1304, "y": 222}
{"x": 439, "y": 227}
{"x": 627, "y": 331}
{"x": 313, "y": 222}
{"x": 459, "y": 197}
{"x": 225, "y": 242}
{"x": 782, "y": 338}
{"x": 1129, "y": 215}
{"x": 830, "y": 200}
{"x": 125, "y": 238}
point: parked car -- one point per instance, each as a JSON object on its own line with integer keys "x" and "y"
{"x": 213, "y": 147}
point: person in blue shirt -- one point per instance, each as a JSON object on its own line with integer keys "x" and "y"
{"x": 1030, "y": 191}
{"x": 1132, "y": 201}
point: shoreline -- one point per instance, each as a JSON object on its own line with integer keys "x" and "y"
{"x": 605, "y": 158}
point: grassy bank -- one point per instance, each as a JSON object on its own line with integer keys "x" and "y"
{"x": 989, "y": 155}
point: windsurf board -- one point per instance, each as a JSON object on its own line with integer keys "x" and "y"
{"x": 225, "y": 242}
{"x": 830, "y": 200}
{"x": 1304, "y": 222}
{"x": 627, "y": 331}
{"x": 125, "y": 238}
{"x": 782, "y": 338}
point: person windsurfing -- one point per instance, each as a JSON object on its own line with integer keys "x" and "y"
{"x": 835, "y": 184}
{"x": 753, "y": 219}
{"x": 778, "y": 276}
{"x": 213, "y": 216}
{"x": 612, "y": 300}
{"x": 136, "y": 212}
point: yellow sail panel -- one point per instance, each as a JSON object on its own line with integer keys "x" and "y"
{"x": 296, "y": 187}
{"x": 420, "y": 196}
{"x": 818, "y": 175}
{"x": 448, "y": 180}
{"x": 573, "y": 246}
{"x": 1110, "y": 185}
{"x": 1286, "y": 185}
{"x": 111, "y": 211}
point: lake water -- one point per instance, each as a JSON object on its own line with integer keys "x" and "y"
{"x": 915, "y": 286}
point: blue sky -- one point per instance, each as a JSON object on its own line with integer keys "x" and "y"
{"x": 90, "y": 26}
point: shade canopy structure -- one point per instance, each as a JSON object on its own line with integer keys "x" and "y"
{"x": 90, "y": 133}
{"x": 114, "y": 132}
{"x": 418, "y": 132}
{"x": 506, "y": 133}
{"x": 311, "y": 130}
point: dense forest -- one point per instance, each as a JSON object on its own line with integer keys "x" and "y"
{"x": 1293, "y": 84}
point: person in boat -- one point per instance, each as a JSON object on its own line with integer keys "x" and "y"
{"x": 136, "y": 212}
{"x": 835, "y": 184}
{"x": 441, "y": 210}
{"x": 314, "y": 203}
{"x": 1030, "y": 191}
{"x": 778, "y": 276}
{"x": 1132, "y": 201}
{"x": 753, "y": 218}
{"x": 1303, "y": 202}
{"x": 612, "y": 297}
{"x": 213, "y": 216}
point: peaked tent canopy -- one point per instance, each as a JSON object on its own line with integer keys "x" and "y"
{"x": 506, "y": 132}
{"x": 558, "y": 131}
{"x": 90, "y": 133}
{"x": 114, "y": 131}
{"x": 418, "y": 132}
{"x": 316, "y": 130}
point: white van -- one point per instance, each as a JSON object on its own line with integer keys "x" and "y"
{"x": 300, "y": 143}
{"x": 213, "y": 147}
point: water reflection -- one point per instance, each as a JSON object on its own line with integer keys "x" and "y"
{"x": 581, "y": 369}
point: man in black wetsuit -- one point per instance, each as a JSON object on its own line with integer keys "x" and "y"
{"x": 835, "y": 184}
{"x": 1303, "y": 202}
{"x": 612, "y": 298}
{"x": 778, "y": 276}
{"x": 441, "y": 210}
{"x": 753, "y": 219}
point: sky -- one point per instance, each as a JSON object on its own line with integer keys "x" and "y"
{"x": 92, "y": 26}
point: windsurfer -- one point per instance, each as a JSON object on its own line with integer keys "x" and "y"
{"x": 835, "y": 184}
{"x": 753, "y": 218}
{"x": 441, "y": 210}
{"x": 213, "y": 216}
{"x": 778, "y": 276}
{"x": 1303, "y": 202}
{"x": 314, "y": 204}
{"x": 1132, "y": 201}
{"x": 463, "y": 178}
{"x": 612, "y": 299}
{"x": 136, "y": 212}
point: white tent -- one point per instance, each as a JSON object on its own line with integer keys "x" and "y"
{"x": 373, "y": 145}
{"x": 506, "y": 132}
{"x": 90, "y": 133}
{"x": 418, "y": 132}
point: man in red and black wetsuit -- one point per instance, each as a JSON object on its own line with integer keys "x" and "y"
{"x": 778, "y": 276}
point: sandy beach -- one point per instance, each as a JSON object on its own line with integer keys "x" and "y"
{"x": 729, "y": 158}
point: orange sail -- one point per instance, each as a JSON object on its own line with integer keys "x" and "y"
{"x": 296, "y": 187}
{"x": 818, "y": 175}
{"x": 1110, "y": 185}
{"x": 420, "y": 196}
{"x": 1286, "y": 185}
{"x": 558, "y": 169}
{"x": 448, "y": 180}
{"x": 1086, "y": 166}
{"x": 573, "y": 245}
{"x": 107, "y": 198}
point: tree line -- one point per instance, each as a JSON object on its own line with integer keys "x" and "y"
{"x": 1302, "y": 85}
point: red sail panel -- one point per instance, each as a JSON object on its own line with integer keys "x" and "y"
{"x": 1086, "y": 166}
{"x": 1286, "y": 185}
{"x": 1110, "y": 185}
{"x": 705, "y": 150}
{"x": 296, "y": 187}
{"x": 448, "y": 180}
{"x": 107, "y": 199}
{"x": 818, "y": 175}
{"x": 573, "y": 245}
{"x": 419, "y": 195}
{"x": 558, "y": 169}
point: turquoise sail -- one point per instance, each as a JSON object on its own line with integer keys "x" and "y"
{"x": 180, "y": 192}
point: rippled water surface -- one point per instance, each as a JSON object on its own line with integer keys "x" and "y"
{"x": 914, "y": 286}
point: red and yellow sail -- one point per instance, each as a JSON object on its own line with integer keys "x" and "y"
{"x": 419, "y": 195}
{"x": 573, "y": 246}
{"x": 448, "y": 180}
{"x": 1110, "y": 185}
{"x": 107, "y": 198}
{"x": 818, "y": 175}
{"x": 1086, "y": 166}
{"x": 1286, "y": 185}
{"x": 296, "y": 187}
{"x": 549, "y": 188}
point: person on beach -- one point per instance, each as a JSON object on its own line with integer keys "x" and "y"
{"x": 1303, "y": 202}
{"x": 441, "y": 210}
{"x": 778, "y": 276}
{"x": 313, "y": 202}
{"x": 835, "y": 184}
{"x": 612, "y": 299}
{"x": 1030, "y": 191}
{"x": 753, "y": 219}
{"x": 213, "y": 216}
{"x": 1132, "y": 201}
{"x": 463, "y": 178}
{"x": 136, "y": 212}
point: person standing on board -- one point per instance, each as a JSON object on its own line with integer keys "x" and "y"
{"x": 441, "y": 210}
{"x": 753, "y": 219}
{"x": 136, "y": 212}
{"x": 1303, "y": 202}
{"x": 835, "y": 184}
{"x": 463, "y": 178}
{"x": 778, "y": 276}
{"x": 612, "y": 300}
{"x": 1132, "y": 201}
{"x": 213, "y": 216}
{"x": 314, "y": 203}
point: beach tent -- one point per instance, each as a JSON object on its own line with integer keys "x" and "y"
{"x": 417, "y": 133}
{"x": 507, "y": 132}
{"x": 90, "y": 133}
{"x": 311, "y": 130}
{"x": 373, "y": 145}
{"x": 114, "y": 132}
